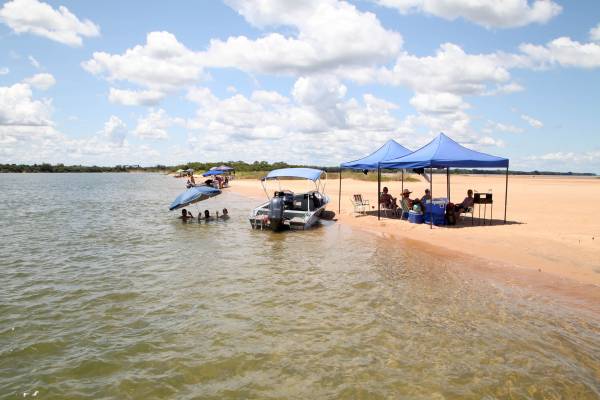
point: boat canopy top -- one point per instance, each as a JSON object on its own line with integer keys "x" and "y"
{"x": 305, "y": 173}
{"x": 222, "y": 168}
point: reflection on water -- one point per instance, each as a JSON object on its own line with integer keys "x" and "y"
{"x": 105, "y": 294}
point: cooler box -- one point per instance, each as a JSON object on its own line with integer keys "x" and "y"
{"x": 435, "y": 211}
{"x": 415, "y": 217}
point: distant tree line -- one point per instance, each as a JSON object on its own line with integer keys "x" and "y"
{"x": 240, "y": 166}
{"x": 61, "y": 168}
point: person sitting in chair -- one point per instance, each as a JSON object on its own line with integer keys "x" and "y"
{"x": 386, "y": 200}
{"x": 466, "y": 203}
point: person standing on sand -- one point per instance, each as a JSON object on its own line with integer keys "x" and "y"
{"x": 426, "y": 197}
{"x": 191, "y": 181}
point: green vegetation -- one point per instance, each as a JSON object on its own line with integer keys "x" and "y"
{"x": 258, "y": 169}
{"x": 61, "y": 168}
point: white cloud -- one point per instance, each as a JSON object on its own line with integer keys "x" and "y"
{"x": 323, "y": 96}
{"x": 35, "y": 63}
{"x": 154, "y": 125}
{"x": 490, "y": 14}
{"x": 25, "y": 122}
{"x": 537, "y": 124}
{"x": 135, "y": 97}
{"x": 488, "y": 141}
{"x": 438, "y": 103}
{"x": 451, "y": 70}
{"x": 4, "y": 71}
{"x": 508, "y": 88}
{"x": 39, "y": 18}
{"x": 18, "y": 108}
{"x": 329, "y": 33}
{"x": 492, "y": 126}
{"x": 595, "y": 34}
{"x": 566, "y": 161}
{"x": 268, "y": 97}
{"x": 562, "y": 51}
{"x": 42, "y": 81}
{"x": 114, "y": 130}
{"x": 331, "y": 127}
{"x": 162, "y": 65}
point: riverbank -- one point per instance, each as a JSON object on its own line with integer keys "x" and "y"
{"x": 552, "y": 227}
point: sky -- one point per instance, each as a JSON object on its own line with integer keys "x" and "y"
{"x": 312, "y": 82}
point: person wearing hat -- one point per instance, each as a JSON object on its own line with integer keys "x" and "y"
{"x": 406, "y": 202}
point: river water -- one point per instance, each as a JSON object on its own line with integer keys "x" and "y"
{"x": 105, "y": 294}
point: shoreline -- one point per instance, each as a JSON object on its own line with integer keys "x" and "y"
{"x": 512, "y": 254}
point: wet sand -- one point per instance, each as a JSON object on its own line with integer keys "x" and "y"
{"x": 551, "y": 239}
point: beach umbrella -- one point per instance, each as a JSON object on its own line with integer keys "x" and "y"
{"x": 221, "y": 168}
{"x": 193, "y": 195}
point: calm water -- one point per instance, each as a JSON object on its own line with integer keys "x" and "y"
{"x": 105, "y": 294}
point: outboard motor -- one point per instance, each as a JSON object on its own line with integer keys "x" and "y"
{"x": 276, "y": 207}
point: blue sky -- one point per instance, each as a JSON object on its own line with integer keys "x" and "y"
{"x": 317, "y": 82}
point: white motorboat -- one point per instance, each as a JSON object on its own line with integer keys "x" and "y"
{"x": 287, "y": 209}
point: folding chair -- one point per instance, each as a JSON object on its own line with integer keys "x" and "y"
{"x": 360, "y": 205}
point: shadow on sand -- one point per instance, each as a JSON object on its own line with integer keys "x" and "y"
{"x": 463, "y": 222}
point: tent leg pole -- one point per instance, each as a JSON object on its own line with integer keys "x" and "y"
{"x": 448, "y": 183}
{"x": 402, "y": 189}
{"x": 340, "y": 193}
{"x": 431, "y": 193}
{"x": 378, "y": 192}
{"x": 506, "y": 194}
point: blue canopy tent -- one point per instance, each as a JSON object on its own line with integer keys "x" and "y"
{"x": 213, "y": 172}
{"x": 390, "y": 150}
{"x": 443, "y": 152}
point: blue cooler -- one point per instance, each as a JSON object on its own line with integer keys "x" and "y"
{"x": 415, "y": 217}
{"x": 437, "y": 212}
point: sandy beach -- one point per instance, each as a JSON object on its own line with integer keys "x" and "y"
{"x": 552, "y": 229}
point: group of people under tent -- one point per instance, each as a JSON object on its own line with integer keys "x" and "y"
{"x": 420, "y": 204}
{"x": 187, "y": 215}
{"x": 218, "y": 182}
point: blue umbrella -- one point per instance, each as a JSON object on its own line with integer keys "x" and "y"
{"x": 193, "y": 195}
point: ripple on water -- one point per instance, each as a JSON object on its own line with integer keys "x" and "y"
{"x": 103, "y": 301}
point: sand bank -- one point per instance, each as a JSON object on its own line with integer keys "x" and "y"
{"x": 553, "y": 222}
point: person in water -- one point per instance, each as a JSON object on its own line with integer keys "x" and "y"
{"x": 207, "y": 216}
{"x": 185, "y": 215}
{"x": 225, "y": 214}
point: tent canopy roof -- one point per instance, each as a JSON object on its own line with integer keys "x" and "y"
{"x": 443, "y": 152}
{"x": 390, "y": 150}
